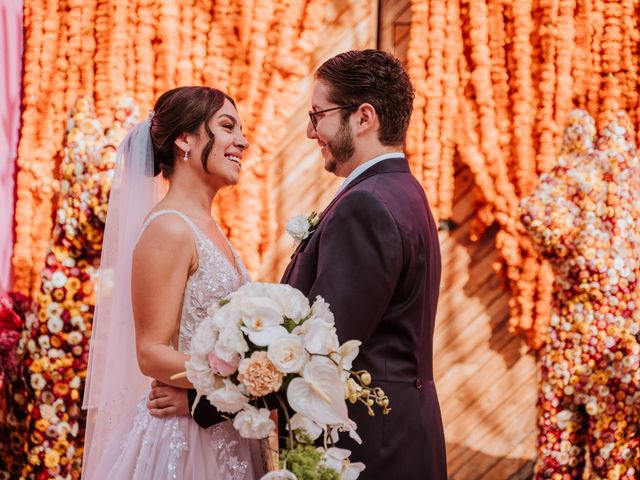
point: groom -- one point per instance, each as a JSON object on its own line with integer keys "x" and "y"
{"x": 374, "y": 257}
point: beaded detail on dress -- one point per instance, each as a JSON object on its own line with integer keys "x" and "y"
{"x": 214, "y": 279}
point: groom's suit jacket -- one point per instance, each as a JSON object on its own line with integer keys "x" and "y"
{"x": 375, "y": 258}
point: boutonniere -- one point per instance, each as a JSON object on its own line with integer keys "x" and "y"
{"x": 301, "y": 227}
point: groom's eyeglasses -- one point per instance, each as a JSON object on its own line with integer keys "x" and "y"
{"x": 314, "y": 120}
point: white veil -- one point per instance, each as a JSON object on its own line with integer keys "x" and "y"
{"x": 114, "y": 382}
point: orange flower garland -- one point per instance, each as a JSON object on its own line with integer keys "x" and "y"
{"x": 559, "y": 54}
{"x": 142, "y": 48}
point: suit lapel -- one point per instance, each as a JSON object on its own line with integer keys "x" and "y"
{"x": 391, "y": 165}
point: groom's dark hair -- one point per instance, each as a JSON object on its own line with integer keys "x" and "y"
{"x": 375, "y": 77}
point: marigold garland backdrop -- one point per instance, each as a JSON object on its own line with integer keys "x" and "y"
{"x": 495, "y": 82}
{"x": 254, "y": 50}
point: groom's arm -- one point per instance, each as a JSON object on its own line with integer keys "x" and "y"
{"x": 205, "y": 414}
{"x": 359, "y": 264}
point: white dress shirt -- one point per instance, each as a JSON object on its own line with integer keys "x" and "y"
{"x": 365, "y": 166}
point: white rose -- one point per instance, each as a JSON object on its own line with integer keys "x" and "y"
{"x": 298, "y": 227}
{"x": 78, "y": 322}
{"x": 226, "y": 316}
{"x": 253, "y": 423}
{"x": 308, "y": 427}
{"x": 48, "y": 412}
{"x": 55, "y": 353}
{"x": 58, "y": 280}
{"x": 287, "y": 353}
{"x": 279, "y": 475}
{"x": 228, "y": 398}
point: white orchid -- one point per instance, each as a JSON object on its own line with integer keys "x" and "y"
{"x": 306, "y": 426}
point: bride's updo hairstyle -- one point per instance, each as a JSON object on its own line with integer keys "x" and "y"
{"x": 178, "y": 111}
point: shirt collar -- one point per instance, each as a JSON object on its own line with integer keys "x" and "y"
{"x": 360, "y": 169}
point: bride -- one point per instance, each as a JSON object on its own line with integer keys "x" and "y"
{"x": 164, "y": 263}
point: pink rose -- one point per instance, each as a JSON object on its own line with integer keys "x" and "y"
{"x": 222, "y": 368}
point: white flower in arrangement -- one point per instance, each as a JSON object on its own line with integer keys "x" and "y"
{"x": 262, "y": 319}
{"x": 319, "y": 394}
{"x": 253, "y": 423}
{"x": 279, "y": 475}
{"x": 287, "y": 353}
{"x": 319, "y": 336}
{"x": 338, "y": 459}
{"x": 229, "y": 398}
{"x": 267, "y": 340}
{"x": 305, "y": 426}
{"x": 300, "y": 227}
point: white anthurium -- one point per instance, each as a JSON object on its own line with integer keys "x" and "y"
{"x": 279, "y": 475}
{"x": 319, "y": 394}
{"x": 307, "y": 426}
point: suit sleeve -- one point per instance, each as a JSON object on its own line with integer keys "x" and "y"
{"x": 359, "y": 263}
{"x": 205, "y": 414}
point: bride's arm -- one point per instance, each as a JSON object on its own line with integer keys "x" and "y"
{"x": 162, "y": 261}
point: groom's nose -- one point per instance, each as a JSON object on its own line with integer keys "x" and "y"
{"x": 311, "y": 132}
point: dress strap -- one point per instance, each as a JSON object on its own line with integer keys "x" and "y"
{"x": 154, "y": 215}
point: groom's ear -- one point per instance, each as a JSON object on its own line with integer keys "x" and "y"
{"x": 182, "y": 142}
{"x": 366, "y": 119}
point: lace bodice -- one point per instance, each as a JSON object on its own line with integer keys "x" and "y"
{"x": 214, "y": 279}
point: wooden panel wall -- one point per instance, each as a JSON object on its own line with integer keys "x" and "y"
{"x": 486, "y": 382}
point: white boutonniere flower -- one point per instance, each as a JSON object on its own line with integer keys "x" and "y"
{"x": 301, "y": 227}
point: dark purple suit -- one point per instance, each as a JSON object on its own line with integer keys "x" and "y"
{"x": 375, "y": 258}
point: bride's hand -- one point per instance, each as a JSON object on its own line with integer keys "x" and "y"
{"x": 167, "y": 401}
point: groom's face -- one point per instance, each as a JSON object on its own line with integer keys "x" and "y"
{"x": 332, "y": 132}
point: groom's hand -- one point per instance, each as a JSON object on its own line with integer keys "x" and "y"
{"x": 167, "y": 401}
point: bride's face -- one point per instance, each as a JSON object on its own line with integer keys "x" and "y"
{"x": 224, "y": 161}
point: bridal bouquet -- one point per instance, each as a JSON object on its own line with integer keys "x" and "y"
{"x": 267, "y": 340}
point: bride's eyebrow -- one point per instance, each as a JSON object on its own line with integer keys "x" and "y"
{"x": 229, "y": 117}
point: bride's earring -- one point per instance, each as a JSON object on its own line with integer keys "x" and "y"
{"x": 186, "y": 155}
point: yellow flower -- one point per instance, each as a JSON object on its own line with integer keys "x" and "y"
{"x": 42, "y": 424}
{"x": 51, "y": 458}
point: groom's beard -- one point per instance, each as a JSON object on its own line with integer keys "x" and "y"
{"x": 341, "y": 147}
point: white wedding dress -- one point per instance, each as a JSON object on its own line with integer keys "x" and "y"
{"x": 176, "y": 448}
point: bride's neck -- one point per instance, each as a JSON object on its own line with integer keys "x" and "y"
{"x": 194, "y": 200}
